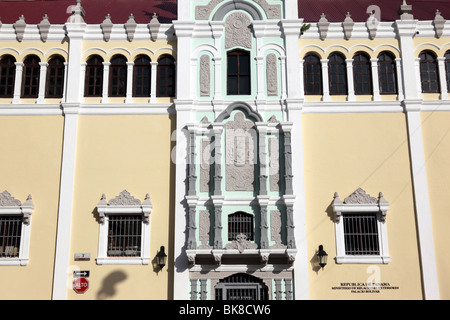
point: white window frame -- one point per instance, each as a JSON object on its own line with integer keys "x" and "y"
{"x": 360, "y": 202}
{"x": 123, "y": 204}
{"x": 9, "y": 206}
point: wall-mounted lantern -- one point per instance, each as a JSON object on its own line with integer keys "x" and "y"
{"x": 161, "y": 258}
{"x": 322, "y": 256}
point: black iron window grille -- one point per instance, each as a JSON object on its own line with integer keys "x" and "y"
{"x": 361, "y": 235}
{"x": 10, "y": 235}
{"x": 240, "y": 223}
{"x": 124, "y": 235}
{"x": 241, "y": 286}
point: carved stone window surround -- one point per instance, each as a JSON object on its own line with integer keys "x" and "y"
{"x": 362, "y": 203}
{"x": 216, "y": 248}
{"x": 124, "y": 204}
{"x": 9, "y": 206}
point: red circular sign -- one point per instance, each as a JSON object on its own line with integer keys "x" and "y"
{"x": 80, "y": 285}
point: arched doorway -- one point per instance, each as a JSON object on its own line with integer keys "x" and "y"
{"x": 241, "y": 286}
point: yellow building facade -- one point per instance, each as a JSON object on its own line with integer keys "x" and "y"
{"x": 237, "y": 137}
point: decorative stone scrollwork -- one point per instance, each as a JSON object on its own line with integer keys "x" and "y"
{"x": 264, "y": 257}
{"x": 272, "y": 75}
{"x": 10, "y": 205}
{"x": 217, "y": 254}
{"x": 205, "y": 75}
{"x": 124, "y": 199}
{"x": 237, "y": 31}
{"x": 275, "y": 229}
{"x": 240, "y": 153}
{"x": 273, "y": 11}
{"x": 191, "y": 259}
{"x": 7, "y": 200}
{"x": 361, "y": 197}
{"x": 205, "y": 165}
{"x": 241, "y": 243}
{"x": 205, "y": 227}
{"x": 360, "y": 201}
{"x": 125, "y": 203}
{"x": 203, "y": 12}
{"x": 274, "y": 163}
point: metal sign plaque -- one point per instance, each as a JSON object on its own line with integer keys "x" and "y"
{"x": 82, "y": 257}
{"x": 81, "y": 274}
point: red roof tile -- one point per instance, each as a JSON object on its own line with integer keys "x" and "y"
{"x": 335, "y": 10}
{"x": 58, "y": 11}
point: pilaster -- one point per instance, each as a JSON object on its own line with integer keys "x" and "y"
{"x": 75, "y": 30}
{"x": 412, "y": 104}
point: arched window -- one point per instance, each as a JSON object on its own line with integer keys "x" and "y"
{"x": 238, "y": 73}
{"x": 447, "y": 69}
{"x": 94, "y": 77}
{"x": 429, "y": 73}
{"x": 141, "y": 77}
{"x": 337, "y": 74}
{"x": 7, "y": 76}
{"x": 362, "y": 74}
{"x": 166, "y": 77}
{"x": 387, "y": 73}
{"x": 240, "y": 222}
{"x": 118, "y": 76}
{"x": 312, "y": 75}
{"x": 55, "y": 78}
{"x": 31, "y": 74}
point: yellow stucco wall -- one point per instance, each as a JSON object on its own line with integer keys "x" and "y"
{"x": 116, "y": 153}
{"x": 341, "y": 153}
{"x": 31, "y": 163}
{"x": 436, "y": 137}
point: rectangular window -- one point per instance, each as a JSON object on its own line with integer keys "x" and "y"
{"x": 238, "y": 73}
{"x": 10, "y": 233}
{"x": 361, "y": 234}
{"x": 124, "y": 236}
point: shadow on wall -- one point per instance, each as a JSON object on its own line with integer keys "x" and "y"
{"x": 109, "y": 286}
